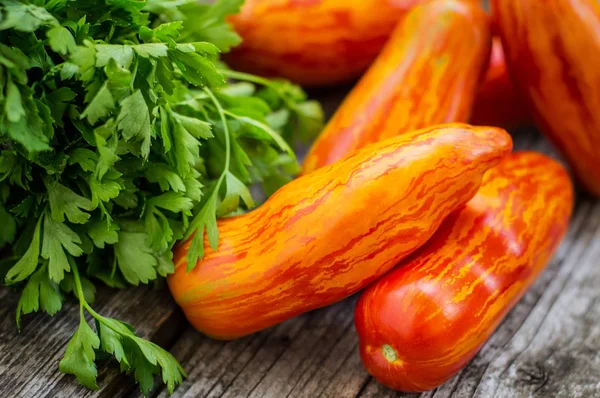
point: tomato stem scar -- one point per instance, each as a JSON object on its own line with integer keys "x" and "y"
{"x": 389, "y": 353}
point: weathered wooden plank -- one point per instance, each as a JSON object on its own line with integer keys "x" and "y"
{"x": 29, "y": 360}
{"x": 252, "y": 366}
{"x": 326, "y": 363}
{"x": 547, "y": 346}
{"x": 316, "y": 354}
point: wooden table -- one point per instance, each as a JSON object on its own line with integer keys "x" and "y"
{"x": 548, "y": 346}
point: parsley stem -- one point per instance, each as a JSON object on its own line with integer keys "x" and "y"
{"x": 136, "y": 64}
{"x": 114, "y": 267}
{"x": 73, "y": 143}
{"x": 221, "y": 112}
{"x": 267, "y": 129}
{"x": 82, "y": 302}
{"x": 194, "y": 224}
{"x": 110, "y": 33}
{"x": 78, "y": 286}
{"x": 232, "y": 74}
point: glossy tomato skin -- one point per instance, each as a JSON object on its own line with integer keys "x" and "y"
{"x": 425, "y": 320}
{"x": 553, "y": 53}
{"x": 428, "y": 73}
{"x": 313, "y": 42}
{"x": 498, "y": 102}
{"x": 328, "y": 234}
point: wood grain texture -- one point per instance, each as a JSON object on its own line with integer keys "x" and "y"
{"x": 328, "y": 234}
{"x": 546, "y": 347}
{"x": 29, "y": 359}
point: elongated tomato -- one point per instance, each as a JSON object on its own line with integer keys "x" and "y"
{"x": 313, "y": 42}
{"x": 326, "y": 235}
{"x": 423, "y": 322}
{"x": 498, "y": 102}
{"x": 428, "y": 73}
{"x": 553, "y": 52}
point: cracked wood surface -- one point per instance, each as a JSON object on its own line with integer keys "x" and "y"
{"x": 548, "y": 345}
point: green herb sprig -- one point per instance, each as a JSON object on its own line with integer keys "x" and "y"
{"x": 121, "y": 132}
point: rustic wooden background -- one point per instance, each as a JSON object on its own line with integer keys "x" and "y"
{"x": 548, "y": 346}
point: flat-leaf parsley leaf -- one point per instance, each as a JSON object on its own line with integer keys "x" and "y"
{"x": 121, "y": 132}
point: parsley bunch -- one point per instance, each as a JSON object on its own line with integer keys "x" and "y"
{"x": 121, "y": 133}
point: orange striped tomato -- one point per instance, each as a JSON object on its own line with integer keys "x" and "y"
{"x": 313, "y": 42}
{"x": 424, "y": 321}
{"x": 326, "y": 235}
{"x": 553, "y": 51}
{"x": 325, "y": 42}
{"x": 428, "y": 73}
{"x": 498, "y": 102}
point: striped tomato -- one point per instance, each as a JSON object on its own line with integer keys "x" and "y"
{"x": 313, "y": 42}
{"x": 330, "y": 233}
{"x": 424, "y": 321}
{"x": 428, "y": 73}
{"x": 553, "y": 52}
